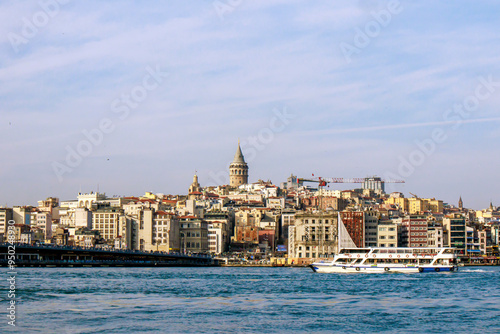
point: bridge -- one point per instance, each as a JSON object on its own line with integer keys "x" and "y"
{"x": 25, "y": 255}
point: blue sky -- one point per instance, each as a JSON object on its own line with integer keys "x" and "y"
{"x": 227, "y": 68}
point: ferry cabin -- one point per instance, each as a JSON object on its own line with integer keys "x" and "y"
{"x": 390, "y": 259}
{"x": 404, "y": 256}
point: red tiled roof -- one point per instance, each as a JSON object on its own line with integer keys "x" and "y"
{"x": 163, "y": 213}
{"x": 146, "y": 200}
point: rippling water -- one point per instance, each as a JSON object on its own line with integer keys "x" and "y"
{"x": 206, "y": 300}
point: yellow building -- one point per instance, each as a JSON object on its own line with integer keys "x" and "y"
{"x": 387, "y": 234}
{"x": 401, "y": 202}
{"x": 106, "y": 221}
{"x": 434, "y": 205}
{"x": 417, "y": 206}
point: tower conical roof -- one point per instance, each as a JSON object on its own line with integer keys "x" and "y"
{"x": 238, "y": 157}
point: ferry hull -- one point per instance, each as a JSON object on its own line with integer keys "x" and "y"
{"x": 326, "y": 268}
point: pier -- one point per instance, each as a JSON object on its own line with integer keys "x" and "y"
{"x": 66, "y": 256}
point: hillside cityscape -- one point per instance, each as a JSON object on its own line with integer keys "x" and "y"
{"x": 291, "y": 224}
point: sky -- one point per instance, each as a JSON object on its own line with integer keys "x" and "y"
{"x": 126, "y": 97}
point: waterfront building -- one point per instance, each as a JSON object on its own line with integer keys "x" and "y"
{"x": 476, "y": 241}
{"x": 455, "y": 232}
{"x": 387, "y": 233}
{"x": 267, "y": 240}
{"x": 223, "y": 220}
{"x": 354, "y": 222}
{"x": 44, "y": 222}
{"x": 287, "y": 220}
{"x": 19, "y": 230}
{"x": 5, "y": 216}
{"x": 61, "y": 236}
{"x": 435, "y": 236}
{"x": 128, "y": 232}
{"x": 313, "y": 235}
{"x": 85, "y": 237}
{"x": 193, "y": 235}
{"x": 107, "y": 222}
{"x": 248, "y": 223}
{"x": 145, "y": 230}
{"x": 246, "y": 228}
{"x": 371, "y": 228}
{"x": 238, "y": 169}
{"x": 22, "y": 214}
{"x": 216, "y": 237}
{"x": 83, "y": 218}
{"x": 166, "y": 231}
{"x": 413, "y": 231}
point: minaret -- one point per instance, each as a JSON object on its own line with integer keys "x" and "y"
{"x": 238, "y": 169}
{"x": 195, "y": 186}
{"x": 460, "y": 203}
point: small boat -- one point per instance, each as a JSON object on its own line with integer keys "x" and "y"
{"x": 394, "y": 259}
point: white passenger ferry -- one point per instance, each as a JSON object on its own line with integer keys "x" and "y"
{"x": 397, "y": 259}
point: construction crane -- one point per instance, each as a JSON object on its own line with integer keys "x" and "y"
{"x": 323, "y": 181}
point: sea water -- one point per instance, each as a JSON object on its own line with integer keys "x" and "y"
{"x": 251, "y": 300}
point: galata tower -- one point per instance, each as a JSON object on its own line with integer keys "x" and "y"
{"x": 238, "y": 169}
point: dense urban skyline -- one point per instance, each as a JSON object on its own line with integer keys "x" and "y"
{"x": 151, "y": 93}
